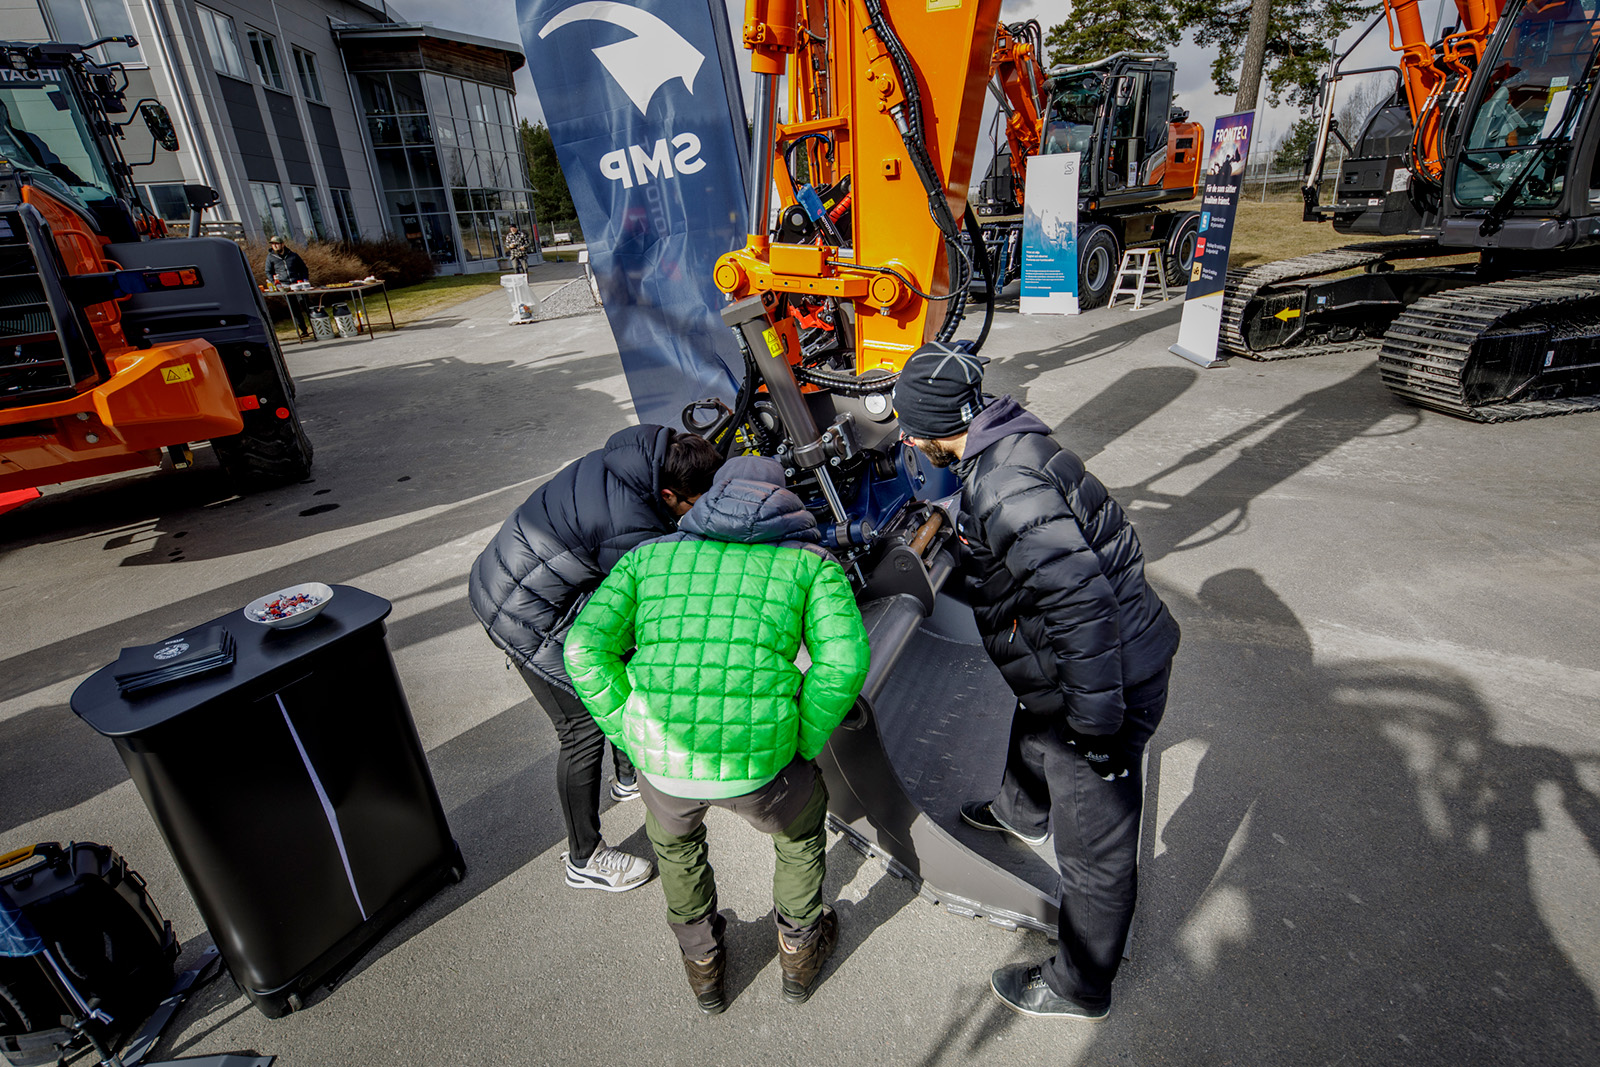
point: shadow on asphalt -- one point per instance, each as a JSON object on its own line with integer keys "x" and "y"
{"x": 484, "y": 454}
{"x": 1349, "y": 875}
{"x": 1352, "y": 869}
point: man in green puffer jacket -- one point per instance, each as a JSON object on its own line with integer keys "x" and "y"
{"x": 713, "y": 710}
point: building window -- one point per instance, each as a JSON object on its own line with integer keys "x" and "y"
{"x": 222, "y": 42}
{"x": 167, "y": 201}
{"x": 345, "y": 212}
{"x": 308, "y": 209}
{"x": 269, "y": 209}
{"x": 82, "y": 21}
{"x": 444, "y": 146}
{"x": 305, "y": 65}
{"x": 265, "y": 52}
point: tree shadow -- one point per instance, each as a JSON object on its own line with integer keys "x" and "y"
{"x": 1348, "y": 862}
{"x": 1206, "y": 496}
{"x": 471, "y": 488}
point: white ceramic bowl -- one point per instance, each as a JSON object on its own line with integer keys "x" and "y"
{"x": 262, "y": 610}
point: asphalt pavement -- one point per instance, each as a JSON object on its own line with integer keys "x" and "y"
{"x": 1373, "y": 824}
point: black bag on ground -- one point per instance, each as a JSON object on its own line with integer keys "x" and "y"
{"x": 79, "y": 936}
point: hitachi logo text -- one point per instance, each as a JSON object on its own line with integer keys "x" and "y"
{"x": 636, "y": 165}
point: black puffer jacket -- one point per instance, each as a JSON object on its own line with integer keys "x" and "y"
{"x": 1057, "y": 573}
{"x": 554, "y": 550}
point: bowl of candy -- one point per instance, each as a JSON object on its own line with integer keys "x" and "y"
{"x": 291, "y": 607}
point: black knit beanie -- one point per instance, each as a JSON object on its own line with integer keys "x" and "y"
{"x": 940, "y": 391}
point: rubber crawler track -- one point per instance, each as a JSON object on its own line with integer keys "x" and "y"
{"x": 1245, "y": 285}
{"x": 1428, "y": 349}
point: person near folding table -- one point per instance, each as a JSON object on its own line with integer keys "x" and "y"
{"x": 284, "y": 268}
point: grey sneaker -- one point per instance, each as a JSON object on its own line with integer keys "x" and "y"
{"x": 624, "y": 789}
{"x": 981, "y": 814}
{"x": 1022, "y": 988}
{"x": 609, "y": 870}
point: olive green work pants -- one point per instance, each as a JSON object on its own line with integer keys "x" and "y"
{"x": 676, "y": 828}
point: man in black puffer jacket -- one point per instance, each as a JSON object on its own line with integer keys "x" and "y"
{"x": 1058, "y": 589}
{"x": 530, "y": 583}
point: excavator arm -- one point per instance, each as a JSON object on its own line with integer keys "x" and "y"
{"x": 884, "y": 109}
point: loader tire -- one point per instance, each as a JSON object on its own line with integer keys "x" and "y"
{"x": 272, "y": 452}
{"x": 1099, "y": 255}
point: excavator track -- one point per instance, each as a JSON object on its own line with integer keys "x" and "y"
{"x": 1516, "y": 349}
{"x": 1246, "y": 285}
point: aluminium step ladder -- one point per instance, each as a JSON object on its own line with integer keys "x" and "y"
{"x": 1134, "y": 275}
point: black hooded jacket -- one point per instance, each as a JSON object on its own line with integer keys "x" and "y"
{"x": 1058, "y": 582}
{"x": 554, "y": 550}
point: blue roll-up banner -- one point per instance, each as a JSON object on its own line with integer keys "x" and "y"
{"x": 643, "y": 104}
{"x": 1050, "y": 236}
{"x": 1199, "y": 331}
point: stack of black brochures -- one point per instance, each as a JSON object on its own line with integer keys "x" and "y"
{"x": 148, "y": 666}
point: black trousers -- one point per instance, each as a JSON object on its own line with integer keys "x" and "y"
{"x": 299, "y": 313}
{"x": 1047, "y": 785}
{"x": 577, "y": 764}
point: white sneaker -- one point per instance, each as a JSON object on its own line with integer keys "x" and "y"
{"x": 609, "y": 870}
{"x": 625, "y": 790}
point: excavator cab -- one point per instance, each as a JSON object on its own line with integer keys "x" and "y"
{"x": 1117, "y": 112}
{"x": 47, "y": 133}
{"x": 1522, "y": 174}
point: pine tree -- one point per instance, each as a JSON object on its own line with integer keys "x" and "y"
{"x": 552, "y": 202}
{"x": 1296, "y": 51}
{"x": 1100, "y": 28}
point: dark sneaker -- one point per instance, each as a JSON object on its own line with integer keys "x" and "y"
{"x": 802, "y": 966}
{"x": 610, "y": 870}
{"x": 980, "y": 813}
{"x": 624, "y": 789}
{"x": 705, "y": 982}
{"x": 1023, "y": 989}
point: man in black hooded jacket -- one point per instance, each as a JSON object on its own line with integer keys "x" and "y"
{"x": 531, "y": 581}
{"x": 1059, "y": 593}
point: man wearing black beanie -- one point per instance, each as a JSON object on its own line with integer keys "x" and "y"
{"x": 1056, "y": 579}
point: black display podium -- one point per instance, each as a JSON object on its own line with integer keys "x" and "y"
{"x": 292, "y": 791}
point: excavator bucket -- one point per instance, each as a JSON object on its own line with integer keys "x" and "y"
{"x": 901, "y": 765}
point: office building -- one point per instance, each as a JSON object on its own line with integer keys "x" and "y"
{"x": 316, "y": 118}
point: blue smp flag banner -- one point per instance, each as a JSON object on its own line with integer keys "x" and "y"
{"x": 1202, "y": 305}
{"x": 643, "y": 104}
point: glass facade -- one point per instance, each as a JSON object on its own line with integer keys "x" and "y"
{"x": 268, "y": 199}
{"x": 449, "y": 160}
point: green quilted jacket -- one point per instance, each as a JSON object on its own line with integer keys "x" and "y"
{"x": 711, "y": 704}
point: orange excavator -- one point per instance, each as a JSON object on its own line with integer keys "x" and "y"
{"x": 120, "y": 347}
{"x": 866, "y": 256}
{"x": 1500, "y": 163}
{"x": 1388, "y": 185}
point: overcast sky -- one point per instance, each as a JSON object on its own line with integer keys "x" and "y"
{"x": 498, "y": 19}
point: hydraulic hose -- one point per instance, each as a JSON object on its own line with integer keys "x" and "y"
{"x": 981, "y": 250}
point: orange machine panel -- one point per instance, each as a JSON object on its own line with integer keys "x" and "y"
{"x": 81, "y": 251}
{"x": 163, "y": 395}
{"x": 1185, "y": 149}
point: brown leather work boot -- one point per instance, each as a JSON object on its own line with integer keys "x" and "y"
{"x": 705, "y": 982}
{"x": 803, "y": 965}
